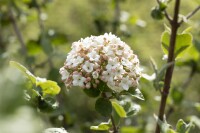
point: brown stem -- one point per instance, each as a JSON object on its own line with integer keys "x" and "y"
{"x": 17, "y": 32}
{"x": 168, "y": 17}
{"x": 115, "y": 130}
{"x": 169, "y": 71}
{"x": 190, "y": 14}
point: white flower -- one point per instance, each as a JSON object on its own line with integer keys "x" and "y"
{"x": 125, "y": 83}
{"x": 95, "y": 74}
{"x": 78, "y": 80}
{"x": 93, "y": 56}
{"x": 112, "y": 64}
{"x": 108, "y": 51}
{"x": 107, "y": 76}
{"x": 119, "y": 71}
{"x": 64, "y": 73}
{"x": 88, "y": 67}
{"x": 115, "y": 88}
{"x": 76, "y": 61}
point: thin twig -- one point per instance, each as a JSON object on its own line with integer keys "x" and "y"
{"x": 17, "y": 32}
{"x": 171, "y": 57}
{"x": 115, "y": 130}
{"x": 190, "y": 14}
{"x": 167, "y": 16}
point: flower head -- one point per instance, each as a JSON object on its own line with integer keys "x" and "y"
{"x": 103, "y": 58}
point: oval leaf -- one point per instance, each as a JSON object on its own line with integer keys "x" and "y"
{"x": 92, "y": 92}
{"x": 119, "y": 109}
{"x": 183, "y": 41}
{"x": 103, "y": 106}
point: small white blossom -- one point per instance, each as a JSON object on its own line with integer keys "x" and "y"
{"x": 88, "y": 67}
{"x": 64, "y": 73}
{"x": 78, "y": 80}
{"x": 93, "y": 56}
{"x": 95, "y": 74}
{"x": 125, "y": 83}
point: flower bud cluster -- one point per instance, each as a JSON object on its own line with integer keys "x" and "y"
{"x": 103, "y": 58}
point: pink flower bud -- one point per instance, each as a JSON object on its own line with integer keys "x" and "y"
{"x": 97, "y": 81}
{"x": 88, "y": 79}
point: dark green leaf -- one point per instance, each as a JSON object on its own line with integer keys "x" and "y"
{"x": 103, "y": 106}
{"x": 58, "y": 39}
{"x": 157, "y": 14}
{"x": 33, "y": 47}
{"x": 177, "y": 95}
{"x": 92, "y": 92}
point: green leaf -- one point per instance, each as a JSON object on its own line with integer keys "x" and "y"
{"x": 58, "y": 39}
{"x": 48, "y": 87}
{"x": 40, "y": 92}
{"x": 161, "y": 72}
{"x": 103, "y": 106}
{"x": 92, "y": 92}
{"x": 177, "y": 95}
{"x": 33, "y": 47}
{"x": 182, "y": 127}
{"x": 25, "y": 71}
{"x": 129, "y": 129}
{"x": 136, "y": 93}
{"x": 197, "y": 44}
{"x": 130, "y": 107}
{"x": 183, "y": 41}
{"x": 116, "y": 117}
{"x": 164, "y": 126}
{"x": 162, "y": 5}
{"x": 157, "y": 14}
{"x": 187, "y": 30}
{"x": 119, "y": 109}
{"x": 47, "y": 104}
{"x": 104, "y": 126}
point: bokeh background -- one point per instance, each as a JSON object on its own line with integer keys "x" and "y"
{"x": 39, "y": 34}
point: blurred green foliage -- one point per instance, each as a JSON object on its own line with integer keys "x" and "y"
{"x": 39, "y": 33}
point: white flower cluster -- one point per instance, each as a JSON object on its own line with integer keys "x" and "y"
{"x": 101, "y": 58}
